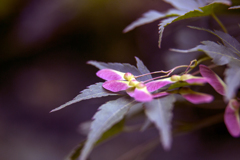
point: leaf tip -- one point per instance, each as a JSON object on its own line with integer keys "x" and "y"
{"x": 54, "y": 110}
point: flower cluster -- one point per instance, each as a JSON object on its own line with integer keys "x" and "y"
{"x": 145, "y": 91}
{"x": 231, "y": 114}
{"x": 118, "y": 81}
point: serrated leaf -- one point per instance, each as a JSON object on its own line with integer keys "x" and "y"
{"x": 188, "y": 5}
{"x": 231, "y": 43}
{"x": 229, "y": 54}
{"x": 159, "y": 112}
{"x": 234, "y": 7}
{"x": 122, "y": 67}
{"x": 161, "y": 27}
{"x": 113, "y": 131}
{"x": 220, "y": 54}
{"x": 215, "y": 7}
{"x": 232, "y": 79}
{"x": 93, "y": 91}
{"x": 151, "y": 16}
{"x": 143, "y": 69}
{"x": 147, "y": 17}
{"x": 109, "y": 114}
{"x": 184, "y": 10}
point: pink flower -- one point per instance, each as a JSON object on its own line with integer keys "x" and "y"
{"x": 232, "y": 117}
{"x": 231, "y": 114}
{"x": 189, "y": 95}
{"x": 213, "y": 79}
{"x": 157, "y": 84}
{"x": 119, "y": 81}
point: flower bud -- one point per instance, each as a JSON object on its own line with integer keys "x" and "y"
{"x": 133, "y": 83}
{"x": 140, "y": 85}
{"x": 175, "y": 78}
{"x": 128, "y": 76}
{"x": 185, "y": 77}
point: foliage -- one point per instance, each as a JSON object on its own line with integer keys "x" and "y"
{"x": 156, "y": 96}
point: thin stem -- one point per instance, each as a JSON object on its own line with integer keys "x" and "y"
{"x": 203, "y": 59}
{"x": 197, "y": 72}
{"x": 191, "y": 65}
{"x": 138, "y": 151}
{"x": 167, "y": 73}
{"x": 197, "y": 63}
{"x": 219, "y": 22}
{"x": 201, "y": 124}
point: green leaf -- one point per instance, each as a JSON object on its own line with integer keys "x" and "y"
{"x": 76, "y": 152}
{"x": 181, "y": 84}
{"x": 220, "y": 54}
{"x": 230, "y": 42}
{"x": 226, "y": 53}
{"x": 188, "y": 9}
{"x": 113, "y": 131}
{"x": 159, "y": 112}
{"x": 93, "y": 91}
{"x": 161, "y": 27}
{"x": 109, "y": 114}
{"x": 151, "y": 16}
{"x": 205, "y": 11}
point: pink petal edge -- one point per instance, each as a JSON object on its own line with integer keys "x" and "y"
{"x": 142, "y": 95}
{"x": 213, "y": 79}
{"x": 155, "y": 85}
{"x": 197, "y": 98}
{"x": 197, "y": 80}
{"x": 231, "y": 118}
{"x": 109, "y": 74}
{"x": 160, "y": 94}
{"x": 115, "y": 85}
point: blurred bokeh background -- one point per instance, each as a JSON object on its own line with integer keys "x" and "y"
{"x": 44, "y": 47}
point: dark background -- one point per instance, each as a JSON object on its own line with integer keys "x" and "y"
{"x": 44, "y": 47}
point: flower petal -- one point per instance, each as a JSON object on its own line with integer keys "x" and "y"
{"x": 115, "y": 85}
{"x": 213, "y": 79}
{"x": 231, "y": 118}
{"x": 195, "y": 97}
{"x": 155, "y": 85}
{"x": 110, "y": 74}
{"x": 197, "y": 80}
{"x": 130, "y": 91}
{"x": 193, "y": 79}
{"x": 160, "y": 94}
{"x": 142, "y": 95}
